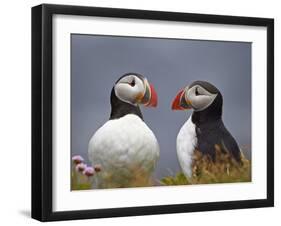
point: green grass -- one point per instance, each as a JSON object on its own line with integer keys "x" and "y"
{"x": 80, "y": 181}
{"x": 204, "y": 171}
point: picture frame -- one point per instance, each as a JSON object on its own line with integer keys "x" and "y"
{"x": 43, "y": 100}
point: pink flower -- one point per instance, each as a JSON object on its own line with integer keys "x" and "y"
{"x": 80, "y": 167}
{"x": 89, "y": 171}
{"x": 76, "y": 159}
{"x": 97, "y": 168}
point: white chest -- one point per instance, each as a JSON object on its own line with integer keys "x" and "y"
{"x": 122, "y": 147}
{"x": 186, "y": 143}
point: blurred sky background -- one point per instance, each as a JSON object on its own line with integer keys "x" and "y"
{"x": 169, "y": 64}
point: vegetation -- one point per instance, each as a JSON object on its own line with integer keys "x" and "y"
{"x": 224, "y": 169}
{"x": 206, "y": 171}
{"x": 80, "y": 181}
{"x": 81, "y": 174}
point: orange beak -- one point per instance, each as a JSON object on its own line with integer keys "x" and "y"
{"x": 153, "y": 97}
{"x": 179, "y": 103}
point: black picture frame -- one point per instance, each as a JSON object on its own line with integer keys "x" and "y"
{"x": 42, "y": 107}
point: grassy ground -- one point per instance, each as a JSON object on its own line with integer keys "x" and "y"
{"x": 204, "y": 171}
{"x": 80, "y": 181}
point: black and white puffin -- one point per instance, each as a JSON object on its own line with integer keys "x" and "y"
{"x": 205, "y": 128}
{"x": 124, "y": 147}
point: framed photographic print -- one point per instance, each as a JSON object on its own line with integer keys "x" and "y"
{"x": 145, "y": 112}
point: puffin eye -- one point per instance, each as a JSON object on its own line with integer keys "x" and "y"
{"x": 133, "y": 83}
{"x": 197, "y": 92}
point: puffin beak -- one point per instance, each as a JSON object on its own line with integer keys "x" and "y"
{"x": 180, "y": 103}
{"x": 153, "y": 97}
{"x": 149, "y": 98}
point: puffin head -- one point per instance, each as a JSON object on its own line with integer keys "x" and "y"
{"x": 135, "y": 89}
{"x": 199, "y": 96}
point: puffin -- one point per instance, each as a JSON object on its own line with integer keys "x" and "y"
{"x": 125, "y": 148}
{"x": 204, "y": 129}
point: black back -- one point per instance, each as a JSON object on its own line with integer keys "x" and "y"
{"x": 210, "y": 129}
{"x": 214, "y": 133}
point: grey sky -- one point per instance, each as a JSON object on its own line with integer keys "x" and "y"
{"x": 98, "y": 61}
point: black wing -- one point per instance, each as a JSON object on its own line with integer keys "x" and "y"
{"x": 210, "y": 135}
{"x": 229, "y": 144}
